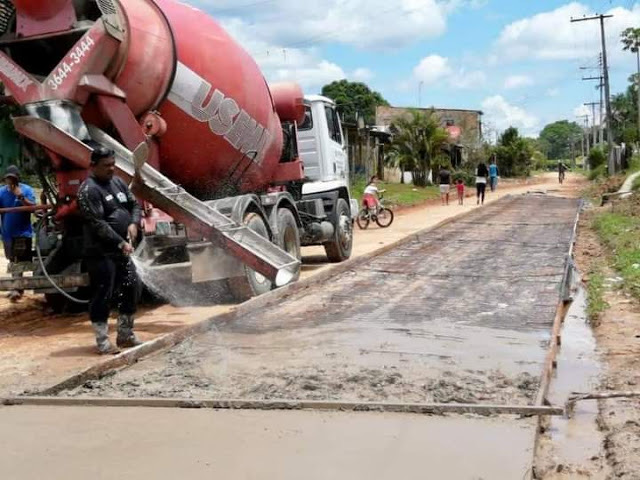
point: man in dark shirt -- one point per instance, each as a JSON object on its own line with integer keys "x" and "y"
{"x": 111, "y": 215}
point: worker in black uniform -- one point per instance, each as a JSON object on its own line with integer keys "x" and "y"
{"x": 111, "y": 215}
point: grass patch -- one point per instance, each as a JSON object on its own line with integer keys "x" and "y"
{"x": 634, "y": 164}
{"x": 621, "y": 235}
{"x": 595, "y": 295}
{"x": 399, "y": 194}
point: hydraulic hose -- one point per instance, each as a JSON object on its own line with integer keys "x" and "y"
{"x": 44, "y": 269}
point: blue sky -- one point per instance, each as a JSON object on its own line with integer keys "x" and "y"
{"x": 517, "y": 60}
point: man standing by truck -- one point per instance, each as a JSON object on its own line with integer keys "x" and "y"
{"x": 17, "y": 231}
{"x": 112, "y": 215}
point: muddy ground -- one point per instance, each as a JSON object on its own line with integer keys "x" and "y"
{"x": 614, "y": 424}
{"x": 457, "y": 315}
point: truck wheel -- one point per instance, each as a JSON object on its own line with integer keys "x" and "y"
{"x": 289, "y": 236}
{"x": 251, "y": 283}
{"x": 339, "y": 249}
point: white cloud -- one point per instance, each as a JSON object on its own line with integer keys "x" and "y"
{"x": 468, "y": 80}
{"x": 551, "y": 35}
{"x": 362, "y": 75}
{"x": 504, "y": 115}
{"x": 432, "y": 69}
{"x": 311, "y": 76}
{"x": 553, "y": 92}
{"x": 284, "y": 36}
{"x": 304, "y": 66}
{"x": 437, "y": 70}
{"x": 518, "y": 81}
{"x": 582, "y": 110}
{"x": 296, "y": 23}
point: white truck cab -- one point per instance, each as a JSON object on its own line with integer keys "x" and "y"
{"x": 322, "y": 148}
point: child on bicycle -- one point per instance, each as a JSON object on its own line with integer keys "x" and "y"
{"x": 370, "y": 198}
{"x": 460, "y": 189}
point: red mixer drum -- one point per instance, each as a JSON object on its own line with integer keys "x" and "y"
{"x": 223, "y": 131}
{"x": 39, "y": 9}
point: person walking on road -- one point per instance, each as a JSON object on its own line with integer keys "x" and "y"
{"x": 112, "y": 215}
{"x": 444, "y": 177}
{"x": 562, "y": 168}
{"x": 482, "y": 172}
{"x": 17, "y": 231}
{"x": 460, "y": 189}
{"x": 493, "y": 175}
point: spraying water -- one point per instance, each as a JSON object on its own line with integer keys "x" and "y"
{"x": 174, "y": 286}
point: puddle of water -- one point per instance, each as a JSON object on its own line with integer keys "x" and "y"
{"x": 578, "y": 439}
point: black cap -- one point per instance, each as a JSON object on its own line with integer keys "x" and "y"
{"x": 12, "y": 171}
{"x": 100, "y": 152}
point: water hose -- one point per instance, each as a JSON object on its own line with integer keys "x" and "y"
{"x": 44, "y": 270}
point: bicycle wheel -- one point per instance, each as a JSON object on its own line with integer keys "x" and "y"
{"x": 363, "y": 219}
{"x": 384, "y": 218}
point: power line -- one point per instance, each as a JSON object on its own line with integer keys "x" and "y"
{"x": 607, "y": 91}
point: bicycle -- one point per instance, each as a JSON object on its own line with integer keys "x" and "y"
{"x": 382, "y": 215}
{"x": 561, "y": 177}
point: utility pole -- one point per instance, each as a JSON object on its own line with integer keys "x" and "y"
{"x": 573, "y": 157}
{"x": 607, "y": 91}
{"x": 600, "y": 86}
{"x": 585, "y": 134}
{"x": 594, "y": 134}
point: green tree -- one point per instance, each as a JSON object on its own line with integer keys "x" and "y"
{"x": 513, "y": 154}
{"x": 353, "y": 98}
{"x": 557, "y": 136}
{"x": 418, "y": 142}
{"x": 631, "y": 43}
{"x": 624, "y": 112}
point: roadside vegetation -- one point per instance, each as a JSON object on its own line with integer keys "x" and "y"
{"x": 596, "y": 303}
{"x": 398, "y": 194}
{"x": 619, "y": 231}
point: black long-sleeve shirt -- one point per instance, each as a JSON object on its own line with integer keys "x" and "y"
{"x": 108, "y": 209}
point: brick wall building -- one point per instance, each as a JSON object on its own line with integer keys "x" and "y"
{"x": 469, "y": 121}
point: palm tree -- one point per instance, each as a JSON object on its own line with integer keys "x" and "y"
{"x": 418, "y": 141}
{"x": 631, "y": 42}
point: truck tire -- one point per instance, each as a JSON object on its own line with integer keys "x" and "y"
{"x": 289, "y": 236}
{"x": 339, "y": 249}
{"x": 251, "y": 283}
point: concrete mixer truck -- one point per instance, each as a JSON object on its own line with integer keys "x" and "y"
{"x": 235, "y": 175}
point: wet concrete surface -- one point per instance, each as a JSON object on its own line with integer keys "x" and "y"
{"x": 462, "y": 314}
{"x": 39, "y": 349}
{"x": 128, "y": 443}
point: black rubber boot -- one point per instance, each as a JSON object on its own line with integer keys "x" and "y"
{"x": 126, "y": 338}
{"x": 105, "y": 347}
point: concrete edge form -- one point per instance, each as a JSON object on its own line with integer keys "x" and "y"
{"x": 556, "y": 338}
{"x": 169, "y": 340}
{"x": 417, "y": 408}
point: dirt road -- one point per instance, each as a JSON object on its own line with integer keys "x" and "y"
{"x": 38, "y": 349}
